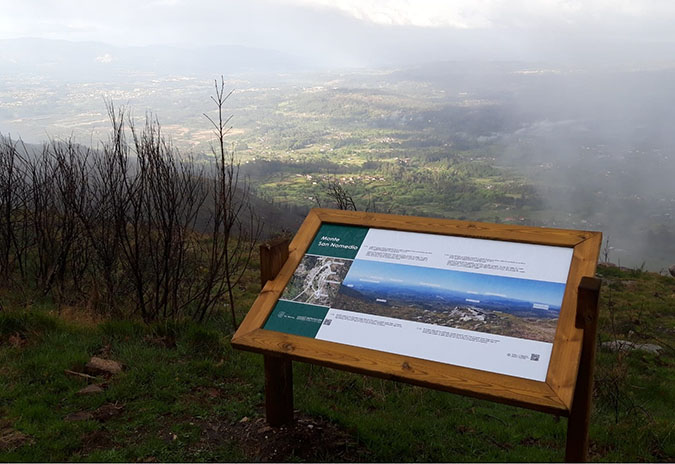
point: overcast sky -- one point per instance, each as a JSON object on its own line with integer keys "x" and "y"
{"x": 361, "y": 32}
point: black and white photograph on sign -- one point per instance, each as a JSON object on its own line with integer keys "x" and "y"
{"x": 519, "y": 308}
{"x": 317, "y": 280}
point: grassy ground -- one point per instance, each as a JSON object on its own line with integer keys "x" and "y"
{"x": 185, "y": 395}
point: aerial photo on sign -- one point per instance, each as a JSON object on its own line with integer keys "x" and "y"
{"x": 317, "y": 280}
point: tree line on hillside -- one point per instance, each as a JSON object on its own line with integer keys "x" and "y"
{"x": 132, "y": 229}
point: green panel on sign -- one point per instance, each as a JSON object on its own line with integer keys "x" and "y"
{"x": 338, "y": 241}
{"x": 296, "y": 318}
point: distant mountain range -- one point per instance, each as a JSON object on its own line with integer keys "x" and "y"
{"x": 444, "y": 300}
{"x": 86, "y": 61}
{"x": 509, "y": 318}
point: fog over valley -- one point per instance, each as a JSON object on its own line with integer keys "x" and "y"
{"x": 558, "y": 116}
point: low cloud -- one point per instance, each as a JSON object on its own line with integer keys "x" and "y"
{"x": 107, "y": 58}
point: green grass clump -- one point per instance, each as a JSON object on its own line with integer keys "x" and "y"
{"x": 160, "y": 391}
{"x": 22, "y": 322}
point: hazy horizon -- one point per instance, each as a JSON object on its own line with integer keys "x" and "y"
{"x": 365, "y": 33}
{"x": 576, "y": 96}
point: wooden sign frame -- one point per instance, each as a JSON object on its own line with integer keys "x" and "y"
{"x": 566, "y": 391}
{"x": 555, "y": 395}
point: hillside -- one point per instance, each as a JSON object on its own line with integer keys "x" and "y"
{"x": 498, "y": 142}
{"x": 185, "y": 395}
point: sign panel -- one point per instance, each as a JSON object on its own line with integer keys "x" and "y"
{"x": 484, "y": 304}
{"x": 488, "y": 310}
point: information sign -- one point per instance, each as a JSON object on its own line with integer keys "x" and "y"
{"x": 476, "y": 303}
{"x": 484, "y": 309}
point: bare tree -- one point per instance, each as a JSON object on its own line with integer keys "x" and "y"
{"x": 342, "y": 198}
{"x": 55, "y": 185}
{"x": 103, "y": 217}
{"x": 605, "y": 250}
{"x": 14, "y": 238}
{"x": 160, "y": 205}
{"x": 71, "y": 179}
{"x": 235, "y": 228}
{"x": 128, "y": 226}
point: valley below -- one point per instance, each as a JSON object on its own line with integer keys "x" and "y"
{"x": 497, "y": 143}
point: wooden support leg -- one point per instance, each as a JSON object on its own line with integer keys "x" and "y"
{"x": 273, "y": 255}
{"x": 576, "y": 449}
{"x": 278, "y": 369}
{"x": 278, "y": 390}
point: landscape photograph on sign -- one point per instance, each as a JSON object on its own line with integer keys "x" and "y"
{"x": 513, "y": 307}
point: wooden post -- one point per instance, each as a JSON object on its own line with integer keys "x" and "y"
{"x": 278, "y": 390}
{"x": 576, "y": 449}
{"x": 278, "y": 369}
{"x": 273, "y": 255}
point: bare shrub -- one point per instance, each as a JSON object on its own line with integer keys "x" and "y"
{"x": 235, "y": 228}
{"x": 56, "y": 185}
{"x": 133, "y": 229}
{"x": 102, "y": 214}
{"x": 14, "y": 237}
